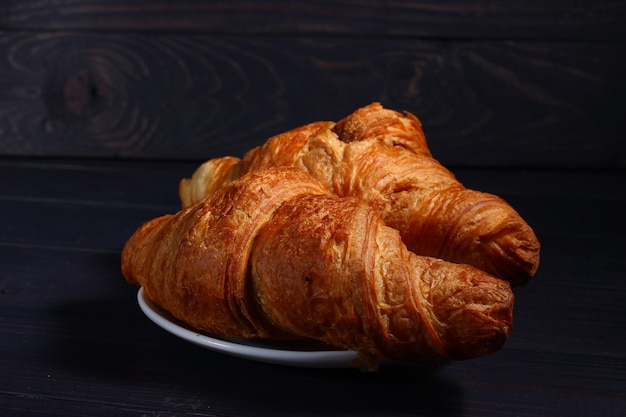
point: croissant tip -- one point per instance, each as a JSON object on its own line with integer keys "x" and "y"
{"x": 477, "y": 309}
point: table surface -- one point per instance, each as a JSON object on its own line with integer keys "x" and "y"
{"x": 74, "y": 341}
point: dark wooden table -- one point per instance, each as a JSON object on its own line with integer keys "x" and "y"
{"x": 74, "y": 342}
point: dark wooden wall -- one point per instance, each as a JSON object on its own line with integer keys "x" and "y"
{"x": 536, "y": 83}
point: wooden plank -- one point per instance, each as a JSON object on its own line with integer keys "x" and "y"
{"x": 72, "y": 224}
{"x": 154, "y": 186}
{"x": 78, "y": 224}
{"x": 194, "y": 97}
{"x": 601, "y": 185}
{"x": 148, "y": 184}
{"x": 528, "y": 19}
{"x": 79, "y": 204}
{"x": 155, "y": 183}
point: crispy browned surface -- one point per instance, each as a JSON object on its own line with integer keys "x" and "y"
{"x": 195, "y": 263}
{"x": 274, "y": 254}
{"x": 381, "y": 156}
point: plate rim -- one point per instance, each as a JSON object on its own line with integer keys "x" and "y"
{"x": 247, "y": 350}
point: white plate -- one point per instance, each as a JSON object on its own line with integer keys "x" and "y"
{"x": 303, "y": 354}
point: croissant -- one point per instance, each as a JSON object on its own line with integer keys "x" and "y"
{"x": 382, "y": 156}
{"x": 275, "y": 255}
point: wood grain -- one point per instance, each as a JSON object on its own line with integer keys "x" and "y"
{"x": 193, "y": 97}
{"x": 528, "y": 19}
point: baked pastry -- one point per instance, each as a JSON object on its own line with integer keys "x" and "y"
{"x": 381, "y": 156}
{"x": 275, "y": 255}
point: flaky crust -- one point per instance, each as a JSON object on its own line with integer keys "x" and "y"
{"x": 381, "y": 156}
{"x": 274, "y": 254}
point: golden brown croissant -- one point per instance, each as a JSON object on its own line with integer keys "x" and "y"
{"x": 274, "y": 254}
{"x": 381, "y": 156}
